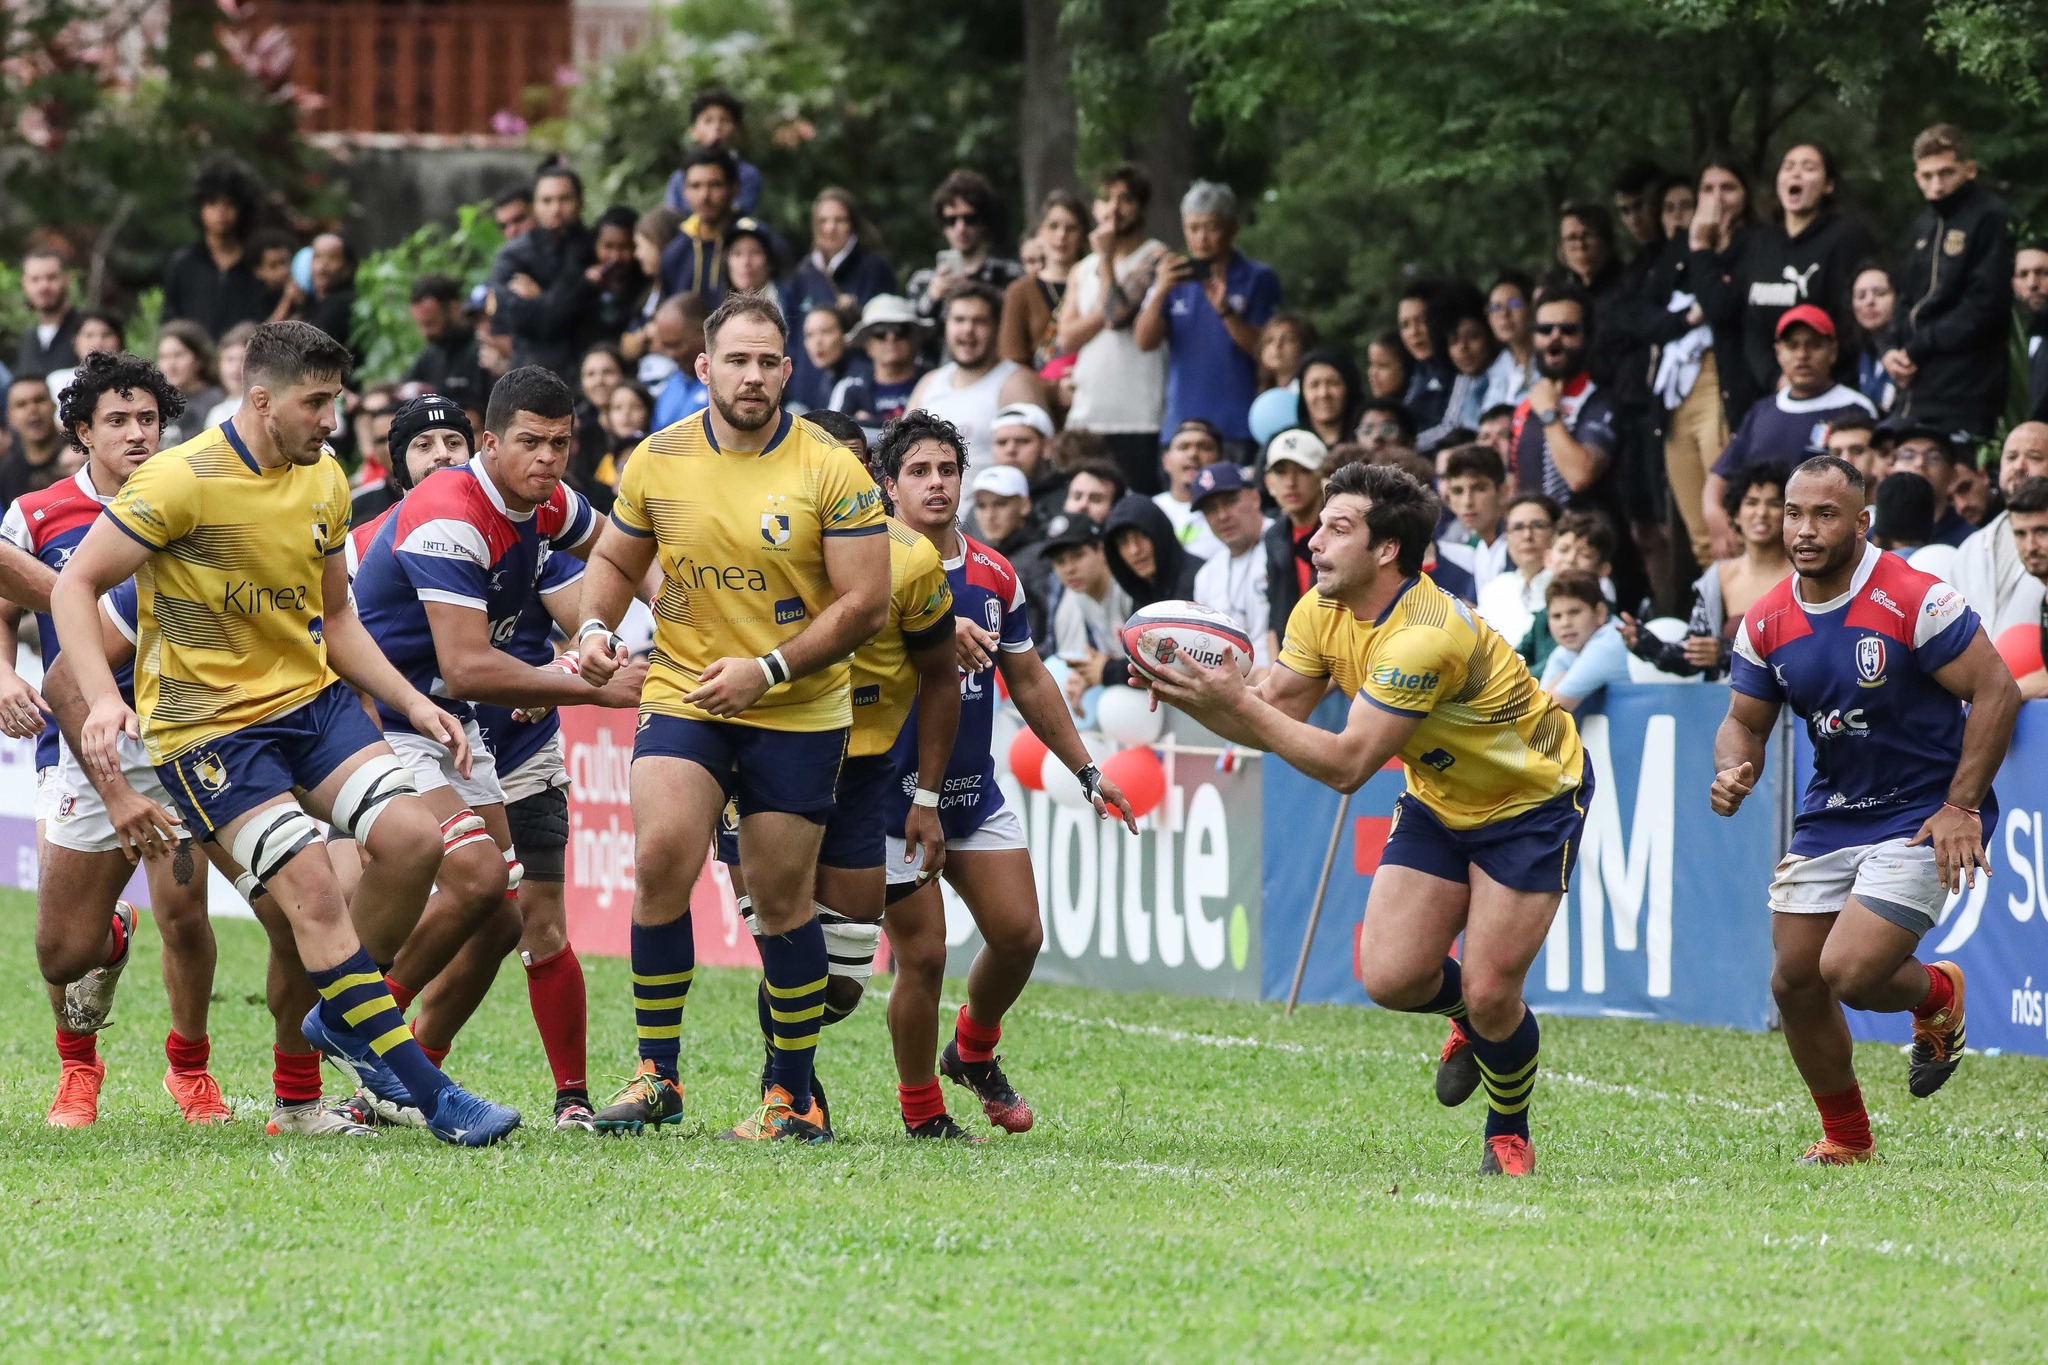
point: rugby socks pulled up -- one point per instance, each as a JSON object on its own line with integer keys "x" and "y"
{"x": 664, "y": 962}
{"x": 561, "y": 1012}
{"x": 920, "y": 1103}
{"x": 354, "y": 999}
{"x": 1844, "y": 1120}
{"x": 1941, "y": 993}
{"x": 794, "y": 967}
{"x": 975, "y": 1042}
{"x": 295, "y": 1076}
{"x": 118, "y": 933}
{"x": 1507, "y": 1068}
{"x": 186, "y": 1055}
{"x": 1449, "y": 1000}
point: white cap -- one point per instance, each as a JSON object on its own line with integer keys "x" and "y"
{"x": 1296, "y": 446}
{"x": 887, "y": 310}
{"x": 1003, "y": 480}
{"x": 1024, "y": 415}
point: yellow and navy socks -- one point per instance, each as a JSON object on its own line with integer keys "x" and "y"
{"x": 664, "y": 961}
{"x": 795, "y": 966}
{"x": 355, "y": 1000}
{"x": 1449, "y": 1000}
{"x": 1507, "y": 1069}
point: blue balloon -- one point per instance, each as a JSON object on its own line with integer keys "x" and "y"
{"x": 302, "y": 269}
{"x": 1273, "y": 412}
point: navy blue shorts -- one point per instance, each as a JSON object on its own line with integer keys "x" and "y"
{"x": 235, "y": 773}
{"x": 1533, "y": 851}
{"x": 856, "y": 834}
{"x": 781, "y": 770}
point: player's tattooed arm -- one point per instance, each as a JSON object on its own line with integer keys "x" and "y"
{"x": 1739, "y": 747}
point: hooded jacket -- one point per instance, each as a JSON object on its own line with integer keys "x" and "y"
{"x": 1174, "y": 576}
{"x": 1955, "y": 310}
{"x": 555, "y": 329}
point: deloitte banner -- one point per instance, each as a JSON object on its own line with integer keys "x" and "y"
{"x": 1997, "y": 932}
{"x": 1665, "y": 917}
{"x": 1172, "y": 908}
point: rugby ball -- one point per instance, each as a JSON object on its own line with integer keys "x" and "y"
{"x": 1155, "y": 636}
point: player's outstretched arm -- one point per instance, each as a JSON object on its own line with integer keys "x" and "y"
{"x": 620, "y": 560}
{"x": 1739, "y": 747}
{"x": 938, "y": 721}
{"x": 145, "y": 829}
{"x": 106, "y": 557}
{"x": 25, "y": 580}
{"x": 475, "y": 670}
{"x": 1978, "y": 676}
{"x": 1044, "y": 708}
{"x": 353, "y": 655}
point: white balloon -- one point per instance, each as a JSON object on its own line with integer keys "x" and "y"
{"x": 1062, "y": 786}
{"x": 1127, "y": 717}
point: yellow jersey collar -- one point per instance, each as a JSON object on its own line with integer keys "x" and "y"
{"x": 782, "y": 426}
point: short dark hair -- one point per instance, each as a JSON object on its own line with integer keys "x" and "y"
{"x": 1468, "y": 461}
{"x": 46, "y": 251}
{"x": 114, "y": 372}
{"x": 226, "y": 178}
{"x": 1636, "y": 176}
{"x": 1395, "y": 409}
{"x": 624, "y": 217}
{"x": 1854, "y": 421}
{"x": 1830, "y": 464}
{"x": 271, "y": 239}
{"x": 530, "y": 388}
{"x": 903, "y": 434}
{"x": 974, "y": 289}
{"x": 106, "y": 318}
{"x": 2028, "y": 495}
{"x": 1074, "y": 447}
{"x": 1105, "y": 470}
{"x": 1942, "y": 137}
{"x": 1132, "y": 177}
{"x": 754, "y": 303}
{"x": 718, "y": 97}
{"x": 517, "y": 194}
{"x": 1594, "y": 216}
{"x": 1567, "y": 290}
{"x": 1593, "y": 528}
{"x": 282, "y": 354}
{"x": 1515, "y": 279}
{"x": 1579, "y": 586}
{"x": 558, "y": 170}
{"x": 1543, "y": 501}
{"x": 721, "y": 157}
{"x": 1398, "y": 508}
{"x": 439, "y": 288}
{"x": 1498, "y": 410}
{"x": 1748, "y": 477}
{"x": 840, "y": 428}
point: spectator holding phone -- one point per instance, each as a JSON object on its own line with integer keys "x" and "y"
{"x": 1726, "y": 591}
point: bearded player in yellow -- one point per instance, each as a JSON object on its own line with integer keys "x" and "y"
{"x": 1484, "y": 838}
{"x": 246, "y": 648}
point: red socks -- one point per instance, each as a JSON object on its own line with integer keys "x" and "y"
{"x": 295, "y": 1076}
{"x": 436, "y": 1055}
{"x": 78, "y": 1047}
{"x": 975, "y": 1042}
{"x": 402, "y": 996}
{"x": 120, "y": 934}
{"x": 186, "y": 1055}
{"x": 1941, "y": 993}
{"x": 1843, "y": 1119}
{"x": 554, "y": 988}
{"x": 921, "y": 1103}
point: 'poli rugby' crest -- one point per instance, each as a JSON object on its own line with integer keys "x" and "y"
{"x": 775, "y": 521}
{"x": 1870, "y": 661}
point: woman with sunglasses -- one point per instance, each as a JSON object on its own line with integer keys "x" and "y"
{"x": 1511, "y": 317}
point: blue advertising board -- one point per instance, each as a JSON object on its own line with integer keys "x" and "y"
{"x": 1665, "y": 917}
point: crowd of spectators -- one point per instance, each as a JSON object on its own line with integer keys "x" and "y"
{"x": 1149, "y": 420}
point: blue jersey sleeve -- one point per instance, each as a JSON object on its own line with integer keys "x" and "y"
{"x": 446, "y": 561}
{"x": 1016, "y": 633}
{"x": 1943, "y": 628}
{"x": 124, "y": 609}
{"x": 1749, "y": 674}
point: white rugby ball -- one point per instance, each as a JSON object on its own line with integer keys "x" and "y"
{"x": 1155, "y": 636}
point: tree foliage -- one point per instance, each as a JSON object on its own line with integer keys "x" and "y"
{"x": 381, "y": 324}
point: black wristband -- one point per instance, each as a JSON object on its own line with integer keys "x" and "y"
{"x": 1090, "y": 778}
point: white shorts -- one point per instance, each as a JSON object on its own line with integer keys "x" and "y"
{"x": 543, "y": 770}
{"x": 1003, "y": 830}
{"x": 78, "y": 818}
{"x": 46, "y": 793}
{"x": 433, "y": 769}
{"x": 1896, "y": 881}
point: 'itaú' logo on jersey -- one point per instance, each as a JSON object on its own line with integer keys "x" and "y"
{"x": 251, "y": 599}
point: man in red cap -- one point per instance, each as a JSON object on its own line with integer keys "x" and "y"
{"x": 1791, "y": 424}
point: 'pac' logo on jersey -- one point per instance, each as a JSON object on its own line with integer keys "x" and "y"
{"x": 1870, "y": 661}
{"x": 775, "y": 521}
{"x": 212, "y": 774}
{"x": 992, "y": 612}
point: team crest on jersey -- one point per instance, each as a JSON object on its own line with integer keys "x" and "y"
{"x": 1870, "y": 661}
{"x": 775, "y": 521}
{"x": 992, "y": 612}
{"x": 320, "y": 535}
{"x": 211, "y": 772}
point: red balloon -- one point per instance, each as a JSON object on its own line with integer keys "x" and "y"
{"x": 2020, "y": 647}
{"x": 1140, "y": 775}
{"x": 1027, "y": 758}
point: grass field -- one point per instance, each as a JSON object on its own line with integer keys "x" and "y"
{"x": 1207, "y": 1181}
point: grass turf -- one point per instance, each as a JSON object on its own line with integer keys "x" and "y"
{"x": 1206, "y": 1181}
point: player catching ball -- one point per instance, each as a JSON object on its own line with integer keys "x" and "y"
{"x": 1483, "y": 840}
{"x": 1882, "y": 661}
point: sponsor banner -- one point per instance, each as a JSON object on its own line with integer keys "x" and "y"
{"x": 1654, "y": 926}
{"x": 597, "y": 745}
{"x": 1997, "y": 932}
{"x": 1174, "y": 908}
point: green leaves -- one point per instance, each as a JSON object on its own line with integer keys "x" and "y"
{"x": 382, "y": 326}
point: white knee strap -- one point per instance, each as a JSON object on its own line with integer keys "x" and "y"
{"x": 249, "y": 888}
{"x": 366, "y": 793}
{"x": 850, "y": 946}
{"x": 746, "y": 909}
{"x": 462, "y": 829}
{"x": 515, "y": 871}
{"x": 270, "y": 838}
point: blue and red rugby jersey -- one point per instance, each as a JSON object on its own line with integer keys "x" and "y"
{"x": 987, "y": 591}
{"x": 1860, "y": 671}
{"x": 48, "y": 524}
{"x": 514, "y": 741}
{"x": 452, "y": 540}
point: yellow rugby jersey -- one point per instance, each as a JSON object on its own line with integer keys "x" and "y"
{"x": 920, "y": 609}
{"x": 230, "y": 603}
{"x": 740, "y": 541}
{"x": 1491, "y": 744}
